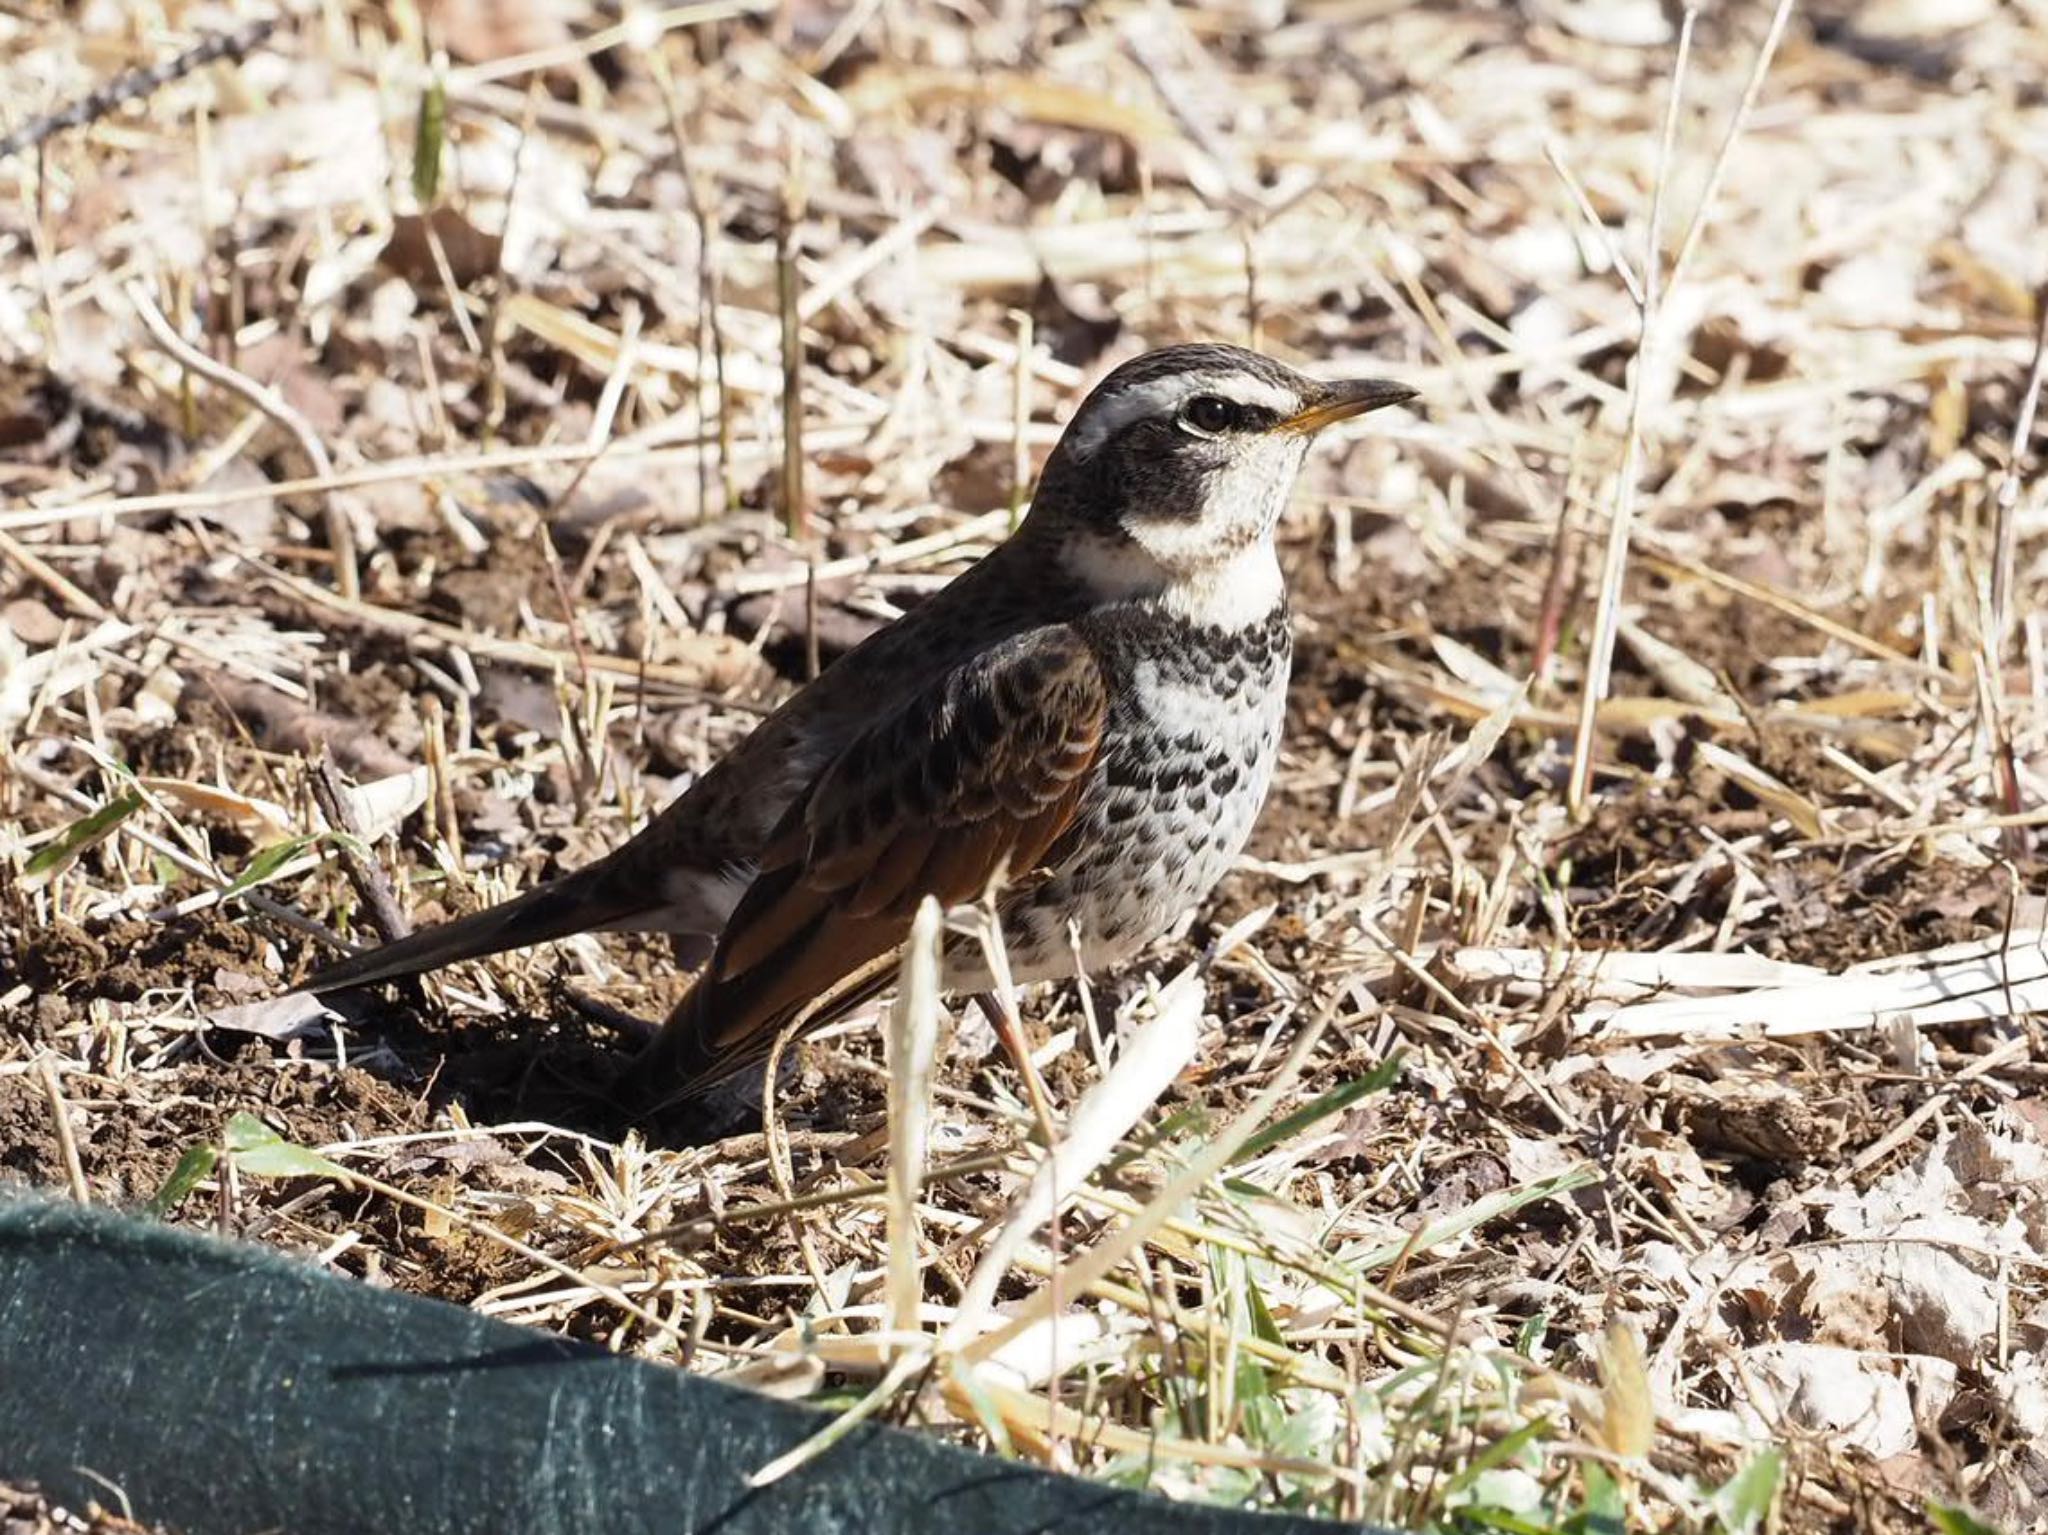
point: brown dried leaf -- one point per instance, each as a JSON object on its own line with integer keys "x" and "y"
{"x": 472, "y": 254}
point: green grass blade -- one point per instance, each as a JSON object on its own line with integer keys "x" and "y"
{"x": 261, "y": 1152}
{"x": 1335, "y": 1101}
{"x": 193, "y": 1167}
{"x": 83, "y": 834}
{"x": 1744, "y": 1500}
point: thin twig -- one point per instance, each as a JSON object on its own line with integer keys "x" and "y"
{"x": 516, "y": 652}
{"x": 231, "y": 47}
{"x": 1020, "y": 409}
{"x": 710, "y": 334}
{"x": 495, "y": 286}
{"x": 2005, "y": 538}
{"x": 363, "y": 871}
{"x": 60, "y": 586}
{"x": 1554, "y": 153}
{"x": 1697, "y": 225}
{"x": 796, "y": 518}
{"x": 340, "y": 537}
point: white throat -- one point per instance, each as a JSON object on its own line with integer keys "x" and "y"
{"x": 1232, "y": 593}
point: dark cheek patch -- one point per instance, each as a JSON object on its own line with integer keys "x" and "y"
{"x": 1157, "y": 483}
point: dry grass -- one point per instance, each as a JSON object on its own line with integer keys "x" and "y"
{"x": 1621, "y": 1055}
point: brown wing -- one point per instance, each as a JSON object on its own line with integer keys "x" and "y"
{"x": 971, "y": 782}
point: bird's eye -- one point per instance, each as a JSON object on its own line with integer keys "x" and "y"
{"x": 1208, "y": 414}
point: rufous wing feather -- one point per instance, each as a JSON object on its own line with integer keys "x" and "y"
{"x": 971, "y": 782}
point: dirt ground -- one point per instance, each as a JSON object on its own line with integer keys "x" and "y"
{"x": 1815, "y": 1219}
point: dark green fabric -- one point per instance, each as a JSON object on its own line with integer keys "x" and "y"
{"x": 227, "y": 1389}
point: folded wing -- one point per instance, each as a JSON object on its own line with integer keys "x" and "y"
{"x": 974, "y": 781}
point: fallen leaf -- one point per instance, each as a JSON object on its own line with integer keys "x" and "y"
{"x": 267, "y": 821}
{"x": 291, "y": 1016}
{"x": 472, "y": 254}
{"x": 1863, "y": 1399}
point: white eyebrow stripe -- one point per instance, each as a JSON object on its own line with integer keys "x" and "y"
{"x": 1163, "y": 396}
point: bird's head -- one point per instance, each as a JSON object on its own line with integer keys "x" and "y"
{"x": 1180, "y": 461}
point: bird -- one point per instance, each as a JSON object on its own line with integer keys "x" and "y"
{"x": 1081, "y": 727}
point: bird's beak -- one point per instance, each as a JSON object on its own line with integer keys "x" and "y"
{"x": 1340, "y": 402}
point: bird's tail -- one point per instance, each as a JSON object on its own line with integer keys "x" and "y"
{"x": 589, "y": 899}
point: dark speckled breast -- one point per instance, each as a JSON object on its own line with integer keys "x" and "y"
{"x": 1187, "y": 759}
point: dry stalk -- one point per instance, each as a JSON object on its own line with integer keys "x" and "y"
{"x": 59, "y": 585}
{"x": 496, "y": 285}
{"x": 710, "y": 391}
{"x": 441, "y": 784}
{"x": 1614, "y": 564}
{"x": 60, "y": 1125}
{"x": 913, "y": 1042}
{"x": 796, "y": 518}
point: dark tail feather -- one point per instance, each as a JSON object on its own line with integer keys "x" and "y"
{"x": 576, "y": 903}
